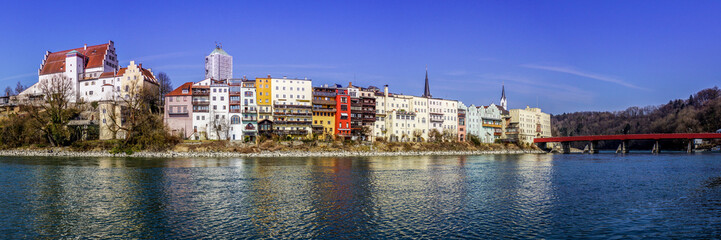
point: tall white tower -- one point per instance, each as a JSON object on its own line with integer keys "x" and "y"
{"x": 504, "y": 103}
{"x": 219, "y": 65}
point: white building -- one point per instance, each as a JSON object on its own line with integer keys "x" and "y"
{"x": 219, "y": 121}
{"x": 76, "y": 65}
{"x": 292, "y": 106}
{"x": 527, "y": 124}
{"x": 219, "y": 65}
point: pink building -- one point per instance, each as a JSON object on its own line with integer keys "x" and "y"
{"x": 178, "y": 110}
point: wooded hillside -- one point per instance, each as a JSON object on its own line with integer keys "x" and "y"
{"x": 701, "y": 112}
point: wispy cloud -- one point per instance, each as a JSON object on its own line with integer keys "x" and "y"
{"x": 560, "y": 92}
{"x": 573, "y": 71}
{"x": 301, "y": 66}
{"x": 18, "y": 76}
{"x": 180, "y": 66}
{"x": 158, "y": 56}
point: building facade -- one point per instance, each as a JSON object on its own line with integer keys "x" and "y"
{"x": 324, "y": 111}
{"x": 218, "y": 65}
{"x": 527, "y": 124}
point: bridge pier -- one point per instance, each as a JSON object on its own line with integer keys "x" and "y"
{"x": 656, "y": 148}
{"x": 594, "y": 147}
{"x": 623, "y": 148}
{"x": 566, "y": 147}
{"x": 689, "y": 148}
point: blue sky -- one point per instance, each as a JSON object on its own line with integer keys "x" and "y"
{"x": 562, "y": 56}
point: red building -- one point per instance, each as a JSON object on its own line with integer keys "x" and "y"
{"x": 342, "y": 114}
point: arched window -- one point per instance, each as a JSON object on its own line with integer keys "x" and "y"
{"x": 235, "y": 119}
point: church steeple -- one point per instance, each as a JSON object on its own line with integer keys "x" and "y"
{"x": 504, "y": 103}
{"x": 427, "y": 91}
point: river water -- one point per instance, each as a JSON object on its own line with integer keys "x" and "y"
{"x": 492, "y": 196}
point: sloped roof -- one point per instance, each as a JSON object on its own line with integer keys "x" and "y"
{"x": 94, "y": 56}
{"x": 179, "y": 91}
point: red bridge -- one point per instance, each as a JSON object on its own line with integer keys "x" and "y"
{"x": 593, "y": 140}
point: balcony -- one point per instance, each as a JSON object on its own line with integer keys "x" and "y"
{"x": 291, "y": 114}
{"x": 250, "y": 111}
{"x": 248, "y": 119}
{"x": 497, "y": 134}
{"x": 264, "y": 111}
{"x": 283, "y": 122}
{"x": 235, "y": 110}
{"x": 293, "y": 106}
{"x": 290, "y": 132}
{"x": 324, "y": 94}
{"x": 436, "y": 120}
{"x": 327, "y": 110}
{"x": 177, "y": 114}
{"x": 234, "y": 93}
{"x": 201, "y": 93}
{"x": 201, "y": 102}
{"x": 492, "y": 125}
{"x": 200, "y": 110}
{"x": 234, "y": 102}
{"x": 323, "y": 102}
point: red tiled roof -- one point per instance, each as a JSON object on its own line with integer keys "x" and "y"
{"x": 107, "y": 75}
{"x": 179, "y": 91}
{"x": 94, "y": 56}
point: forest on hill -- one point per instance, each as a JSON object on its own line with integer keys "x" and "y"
{"x": 701, "y": 112}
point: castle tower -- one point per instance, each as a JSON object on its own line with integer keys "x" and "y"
{"x": 219, "y": 64}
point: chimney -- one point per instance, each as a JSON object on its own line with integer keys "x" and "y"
{"x": 85, "y": 46}
{"x": 350, "y": 84}
{"x": 268, "y": 75}
{"x": 385, "y": 90}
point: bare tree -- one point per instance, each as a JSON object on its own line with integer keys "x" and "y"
{"x": 418, "y": 135}
{"x": 8, "y": 91}
{"x": 449, "y": 135}
{"x": 434, "y": 135}
{"x": 165, "y": 86}
{"x": 52, "y": 114}
{"x": 129, "y": 111}
{"x": 20, "y": 88}
{"x": 219, "y": 125}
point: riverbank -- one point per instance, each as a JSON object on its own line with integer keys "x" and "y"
{"x": 173, "y": 154}
{"x": 270, "y": 149}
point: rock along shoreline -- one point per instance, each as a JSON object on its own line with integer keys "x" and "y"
{"x": 172, "y": 154}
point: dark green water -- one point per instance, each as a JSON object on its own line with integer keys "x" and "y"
{"x": 496, "y": 196}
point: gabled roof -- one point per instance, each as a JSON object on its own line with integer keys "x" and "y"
{"x": 94, "y": 56}
{"x": 179, "y": 91}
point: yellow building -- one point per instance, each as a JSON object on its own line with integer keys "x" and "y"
{"x": 324, "y": 112}
{"x": 263, "y": 88}
{"x": 137, "y": 77}
{"x": 134, "y": 80}
{"x": 526, "y": 124}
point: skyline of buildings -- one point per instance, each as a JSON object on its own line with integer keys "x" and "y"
{"x": 294, "y": 108}
{"x": 223, "y": 107}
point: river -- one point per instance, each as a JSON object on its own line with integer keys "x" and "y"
{"x": 446, "y": 197}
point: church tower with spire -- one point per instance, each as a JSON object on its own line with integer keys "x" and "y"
{"x": 427, "y": 91}
{"x": 504, "y": 103}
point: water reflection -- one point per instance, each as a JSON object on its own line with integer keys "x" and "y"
{"x": 490, "y": 196}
